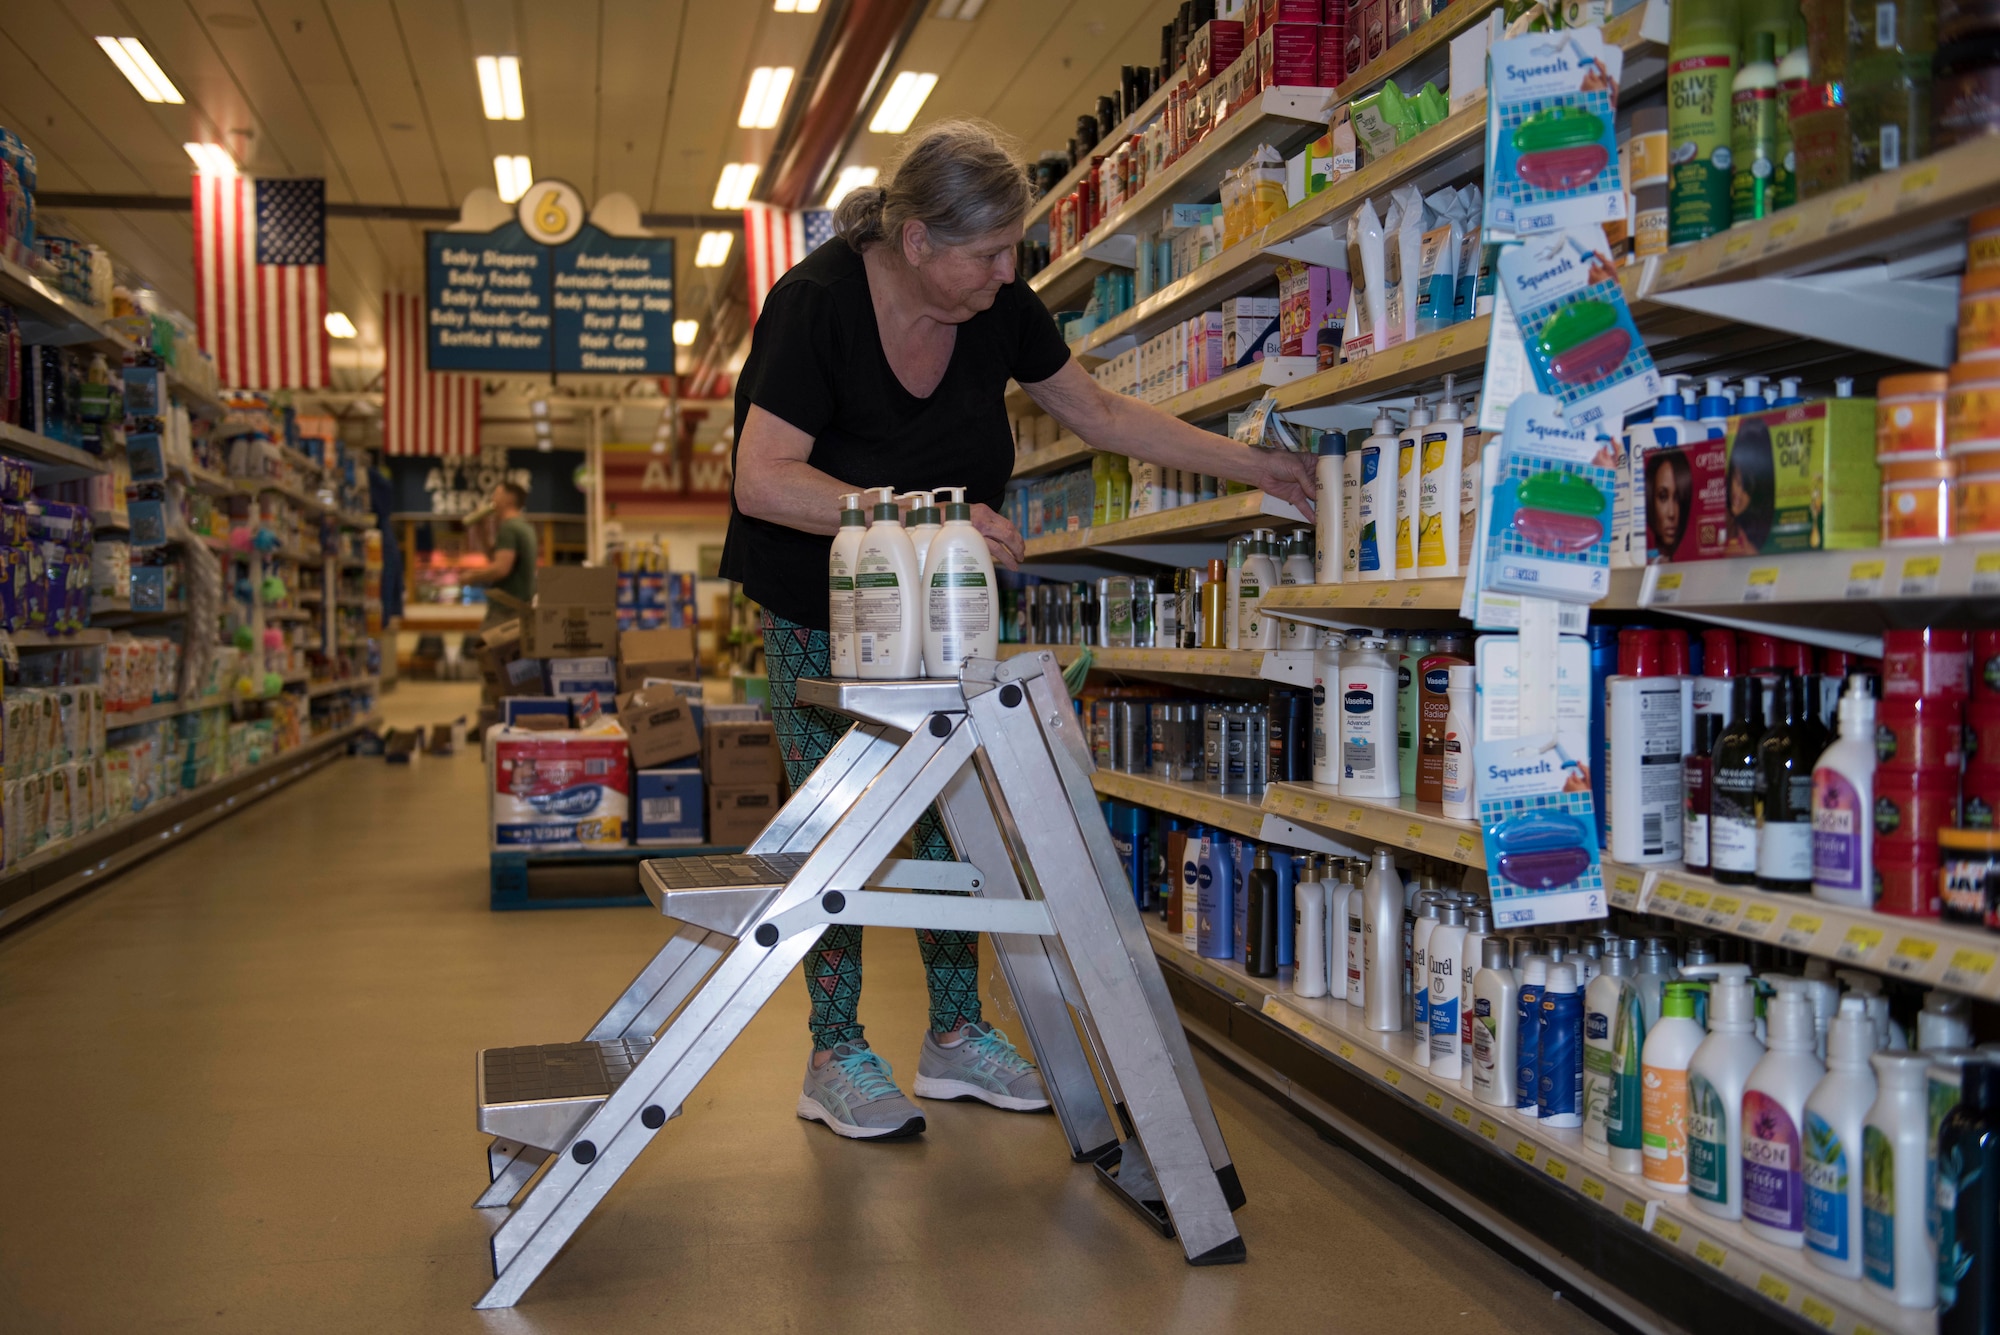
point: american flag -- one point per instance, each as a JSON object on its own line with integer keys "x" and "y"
{"x": 260, "y": 279}
{"x": 423, "y": 412}
{"x": 775, "y": 239}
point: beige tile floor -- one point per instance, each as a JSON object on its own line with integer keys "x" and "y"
{"x": 238, "y": 1098}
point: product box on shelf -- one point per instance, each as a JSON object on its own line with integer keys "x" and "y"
{"x": 563, "y": 789}
{"x": 667, "y": 806}
{"x": 738, "y": 815}
{"x": 1804, "y": 478}
{"x": 662, "y": 653}
{"x": 538, "y": 712}
{"x": 1288, "y": 55}
{"x": 574, "y": 614}
{"x": 583, "y": 676}
{"x": 1211, "y": 48}
{"x": 1249, "y": 330}
{"x": 660, "y": 725}
{"x": 733, "y": 754}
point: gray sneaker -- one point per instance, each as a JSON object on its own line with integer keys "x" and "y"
{"x": 984, "y": 1066}
{"x": 854, "y": 1095}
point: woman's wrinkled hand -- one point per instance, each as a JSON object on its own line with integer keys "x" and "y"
{"x": 1288, "y": 476}
{"x": 1003, "y": 540}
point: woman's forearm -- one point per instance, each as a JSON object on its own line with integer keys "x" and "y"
{"x": 1144, "y": 432}
{"x": 791, "y": 492}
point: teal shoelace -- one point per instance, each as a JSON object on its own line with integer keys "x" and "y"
{"x": 868, "y": 1073}
{"x": 996, "y": 1048}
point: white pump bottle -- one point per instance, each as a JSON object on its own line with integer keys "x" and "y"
{"x": 1832, "y": 1142}
{"x": 961, "y": 608}
{"x": 845, "y": 556}
{"x": 1774, "y": 1114}
{"x": 921, "y": 522}
{"x": 1409, "y": 487}
{"x": 888, "y": 629}
{"x": 1720, "y": 1068}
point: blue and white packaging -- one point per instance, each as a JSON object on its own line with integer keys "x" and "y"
{"x": 1551, "y": 133}
{"x": 668, "y": 805}
{"x": 1578, "y": 334}
{"x": 1215, "y": 873}
{"x": 583, "y": 676}
{"x": 1547, "y": 532}
{"x": 1540, "y": 831}
{"x": 513, "y": 707}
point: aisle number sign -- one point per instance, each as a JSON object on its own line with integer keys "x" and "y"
{"x": 549, "y": 293}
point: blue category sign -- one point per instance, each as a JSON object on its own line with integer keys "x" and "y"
{"x": 596, "y": 304}
{"x": 614, "y": 304}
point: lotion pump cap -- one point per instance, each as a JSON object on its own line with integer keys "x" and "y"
{"x": 1852, "y": 1038}
{"x": 1670, "y": 406}
{"x": 1421, "y": 414}
{"x": 955, "y": 507}
{"x": 1447, "y": 409}
{"x": 1789, "y": 1016}
{"x": 1732, "y": 1001}
{"x": 1677, "y": 1001}
{"x": 1384, "y": 424}
{"x": 850, "y": 511}
{"x": 1843, "y": 388}
{"x": 1562, "y": 978}
{"x": 885, "y": 504}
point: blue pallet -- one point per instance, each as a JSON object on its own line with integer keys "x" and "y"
{"x": 510, "y": 874}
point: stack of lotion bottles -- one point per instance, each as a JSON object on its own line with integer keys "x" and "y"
{"x": 1774, "y": 1105}
{"x": 1832, "y": 1142}
{"x": 888, "y": 622}
{"x": 1614, "y": 1034}
{"x": 841, "y": 563}
{"x": 1843, "y": 805}
{"x": 1663, "y": 1078}
{"x": 960, "y": 596}
{"x": 1717, "y": 1074}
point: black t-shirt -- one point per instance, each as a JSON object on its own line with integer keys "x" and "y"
{"x": 816, "y": 362}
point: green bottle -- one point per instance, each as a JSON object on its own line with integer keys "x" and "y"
{"x": 1701, "y": 76}
{"x": 1753, "y": 135}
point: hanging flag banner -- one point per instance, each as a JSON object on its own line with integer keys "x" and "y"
{"x": 549, "y": 293}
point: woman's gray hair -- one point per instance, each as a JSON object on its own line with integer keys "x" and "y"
{"x": 960, "y": 179}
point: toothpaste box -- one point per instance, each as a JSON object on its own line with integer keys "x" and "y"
{"x": 561, "y": 789}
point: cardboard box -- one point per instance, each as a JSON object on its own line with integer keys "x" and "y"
{"x": 1810, "y": 476}
{"x": 661, "y": 727}
{"x": 733, "y": 754}
{"x": 496, "y": 647}
{"x": 575, "y": 613}
{"x": 1288, "y": 55}
{"x": 665, "y": 653}
{"x": 667, "y": 806}
{"x": 583, "y": 676}
{"x": 1211, "y": 48}
{"x": 563, "y": 789}
{"x": 738, "y": 815}
{"x": 533, "y": 711}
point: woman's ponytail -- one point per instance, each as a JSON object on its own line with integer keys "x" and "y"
{"x": 858, "y": 218}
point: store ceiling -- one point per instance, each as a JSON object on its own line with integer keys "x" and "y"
{"x": 381, "y": 98}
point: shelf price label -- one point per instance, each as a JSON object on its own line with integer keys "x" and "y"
{"x": 1625, "y": 890}
{"x": 1858, "y": 942}
{"x": 1758, "y": 920}
{"x": 1460, "y": 1115}
{"x": 1920, "y": 576}
{"x": 1434, "y": 1100}
{"x": 1592, "y": 1188}
{"x": 1413, "y": 834}
{"x": 1779, "y": 235}
{"x": 1666, "y": 898}
{"x": 1668, "y": 1229}
{"x": 1915, "y": 188}
{"x": 1635, "y": 1210}
{"x": 1556, "y": 1168}
{"x": 1694, "y": 903}
{"x": 1488, "y": 1130}
{"x": 1844, "y": 209}
{"x": 1968, "y": 969}
{"x": 1524, "y": 1151}
{"x": 1761, "y": 584}
{"x": 1393, "y": 1076}
{"x": 1773, "y": 1288}
{"x": 1413, "y": 595}
{"x": 1711, "y": 1253}
{"x": 1722, "y": 911}
{"x": 1986, "y": 573}
{"x": 1817, "y": 1312}
{"x": 1468, "y": 846}
{"x": 1666, "y": 589}
{"x": 1911, "y": 955}
{"x": 1800, "y": 929}
{"x": 1864, "y": 579}
{"x": 1346, "y": 1051}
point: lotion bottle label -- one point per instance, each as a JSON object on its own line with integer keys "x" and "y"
{"x": 1773, "y": 1187}
{"x": 1826, "y": 1176}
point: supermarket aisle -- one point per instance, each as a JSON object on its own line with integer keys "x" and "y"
{"x": 241, "y": 1101}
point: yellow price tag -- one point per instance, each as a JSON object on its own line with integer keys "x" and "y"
{"x": 1757, "y": 919}
{"x": 1780, "y": 233}
{"x": 1460, "y": 1115}
{"x": 1761, "y": 585}
{"x": 1858, "y": 941}
{"x": 1920, "y": 576}
{"x": 1710, "y": 1253}
{"x": 1773, "y": 1288}
{"x": 1800, "y": 929}
{"x": 1393, "y": 1076}
{"x": 1468, "y": 844}
{"x": 1733, "y": 248}
{"x": 1817, "y": 1312}
{"x": 1667, "y": 1228}
{"x": 1667, "y": 891}
{"x": 1355, "y": 815}
{"x": 1556, "y": 1168}
{"x": 1915, "y": 187}
{"x": 1694, "y": 899}
{"x": 1242, "y": 992}
{"x": 1911, "y": 954}
{"x": 1845, "y": 208}
{"x": 1488, "y": 1130}
{"x": 1346, "y": 1051}
{"x": 1968, "y": 968}
{"x": 1635, "y": 1210}
{"x": 1593, "y": 1189}
{"x": 1524, "y": 1151}
{"x": 1435, "y": 1100}
{"x": 1413, "y": 834}
{"x": 1724, "y": 906}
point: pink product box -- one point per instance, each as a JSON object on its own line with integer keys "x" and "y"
{"x": 1332, "y": 53}
{"x": 1204, "y": 348}
{"x": 1288, "y": 55}
{"x": 1289, "y": 11}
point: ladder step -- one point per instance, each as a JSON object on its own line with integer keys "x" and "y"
{"x": 540, "y": 1095}
{"x": 719, "y": 891}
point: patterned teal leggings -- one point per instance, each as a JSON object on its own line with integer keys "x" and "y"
{"x": 833, "y": 969}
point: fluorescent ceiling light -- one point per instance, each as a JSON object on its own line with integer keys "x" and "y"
{"x": 851, "y": 178}
{"x": 513, "y": 176}
{"x": 339, "y": 326}
{"x": 545, "y": 445}
{"x": 713, "y": 250}
{"x": 500, "y": 87}
{"x": 905, "y": 98}
{"x": 211, "y": 159}
{"x": 764, "y": 100}
{"x": 796, "y": 6}
{"x": 732, "y": 191}
{"x": 136, "y": 63}
{"x": 684, "y": 332}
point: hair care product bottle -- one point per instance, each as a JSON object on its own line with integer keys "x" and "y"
{"x": 1375, "y": 503}
{"x": 1366, "y": 716}
{"x": 1614, "y": 1035}
{"x": 1559, "y": 1056}
{"x": 1717, "y": 1074}
{"x": 1642, "y": 785}
{"x": 1443, "y": 958}
{"x": 1409, "y": 487}
{"x": 1438, "y": 516}
{"x": 1754, "y": 138}
{"x": 1382, "y": 930}
{"x": 1833, "y": 1143}
{"x": 1774, "y": 1102}
{"x": 1416, "y": 647}
{"x": 1478, "y": 929}
{"x": 1296, "y": 568}
{"x": 888, "y": 626}
{"x": 1732, "y": 820}
{"x": 1843, "y": 806}
{"x": 841, "y": 657}
{"x": 1260, "y": 939}
{"x": 1237, "y": 552}
{"x": 1896, "y": 1250}
{"x": 1968, "y": 1267}
{"x": 1944, "y": 1022}
{"x": 960, "y": 593}
{"x": 1460, "y": 800}
{"x": 1430, "y": 912}
{"x": 1495, "y": 1026}
{"x": 1359, "y": 909}
{"x": 1670, "y": 1045}
{"x": 1701, "y": 75}
{"x": 1712, "y": 694}
{"x": 1216, "y": 900}
{"x": 1697, "y": 790}
{"x": 1309, "y": 974}
{"x": 1786, "y": 755}
{"x": 1329, "y": 516}
{"x": 1528, "y": 1033}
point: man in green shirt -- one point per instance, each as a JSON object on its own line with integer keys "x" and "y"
{"x": 513, "y": 569}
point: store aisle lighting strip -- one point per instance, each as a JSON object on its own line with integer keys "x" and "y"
{"x": 905, "y": 99}
{"x": 796, "y": 6}
{"x": 513, "y": 175}
{"x": 850, "y": 178}
{"x": 143, "y": 72}
{"x": 211, "y": 159}
{"x": 713, "y": 250}
{"x": 339, "y": 326}
{"x": 764, "y": 100}
{"x": 684, "y": 332}
{"x": 733, "y": 190}
{"x": 500, "y": 87}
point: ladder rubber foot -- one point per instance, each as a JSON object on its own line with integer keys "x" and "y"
{"x": 1232, "y": 1187}
{"x": 1227, "y": 1253}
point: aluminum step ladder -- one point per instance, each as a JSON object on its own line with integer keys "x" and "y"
{"x": 999, "y": 752}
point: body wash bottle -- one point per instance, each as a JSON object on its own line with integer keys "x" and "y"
{"x": 1833, "y": 1143}
{"x": 1843, "y": 806}
{"x": 1717, "y": 1073}
{"x": 1670, "y": 1045}
{"x": 1774, "y": 1104}
{"x": 1896, "y": 1253}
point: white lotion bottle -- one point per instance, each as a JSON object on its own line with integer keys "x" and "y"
{"x": 1339, "y": 886}
{"x": 1295, "y": 566}
{"x": 1309, "y": 968}
{"x": 1774, "y": 1110}
{"x": 888, "y": 626}
{"x": 1438, "y": 514}
{"x": 1364, "y": 717}
{"x": 1663, "y": 1077}
{"x": 1720, "y": 1069}
{"x": 1613, "y": 1032}
{"x": 1843, "y": 806}
{"x": 1375, "y": 503}
{"x": 1472, "y": 954}
{"x": 1430, "y": 912}
{"x": 1358, "y": 909}
{"x": 1326, "y": 710}
{"x": 1496, "y": 1005}
{"x": 1260, "y": 575}
{"x": 1896, "y": 1254}
{"x": 1833, "y": 1142}
{"x": 1329, "y": 516}
{"x": 1445, "y": 1044}
{"x": 1382, "y": 944}
{"x": 921, "y": 520}
{"x": 961, "y": 597}
{"x": 1236, "y": 554}
{"x": 1460, "y": 800}
{"x": 842, "y": 660}
{"x": 1644, "y": 747}
{"x": 1409, "y": 487}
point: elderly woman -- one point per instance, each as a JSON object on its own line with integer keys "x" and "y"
{"x": 882, "y": 360}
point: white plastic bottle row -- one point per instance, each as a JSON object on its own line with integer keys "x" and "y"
{"x": 909, "y": 597}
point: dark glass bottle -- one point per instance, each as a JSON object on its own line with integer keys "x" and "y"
{"x": 1697, "y": 791}
{"x": 1260, "y": 935}
{"x": 1785, "y": 758}
{"x": 1732, "y": 817}
{"x": 1968, "y": 1197}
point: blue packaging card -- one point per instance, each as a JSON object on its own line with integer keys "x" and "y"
{"x": 1578, "y": 334}
{"x": 1551, "y": 133}
{"x": 1540, "y": 829}
{"x": 1543, "y": 538}
{"x": 147, "y": 457}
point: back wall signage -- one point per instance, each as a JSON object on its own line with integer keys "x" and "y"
{"x": 549, "y": 293}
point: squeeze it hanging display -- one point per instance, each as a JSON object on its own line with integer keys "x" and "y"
{"x": 1551, "y": 134}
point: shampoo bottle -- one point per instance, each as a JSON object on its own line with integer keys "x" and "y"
{"x": 1717, "y": 1074}
{"x": 1968, "y": 1268}
{"x": 1495, "y": 1025}
{"x": 1701, "y": 76}
{"x": 1443, "y": 464}
{"x": 841, "y": 657}
{"x": 1528, "y": 1034}
{"x": 1753, "y": 146}
{"x": 1375, "y": 505}
{"x": 1559, "y": 1058}
{"x": 1330, "y": 469}
{"x": 1309, "y": 974}
{"x": 961, "y": 595}
{"x": 1409, "y": 487}
{"x": 1382, "y": 951}
{"x": 1774, "y": 1104}
{"x": 1445, "y": 955}
{"x": 1896, "y": 1253}
{"x": 1642, "y": 783}
{"x": 888, "y": 626}
{"x": 1259, "y": 576}
{"x": 1843, "y": 806}
{"x": 1670, "y": 1046}
{"x": 1833, "y": 1143}
{"x": 1614, "y": 1034}
{"x": 1478, "y": 926}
